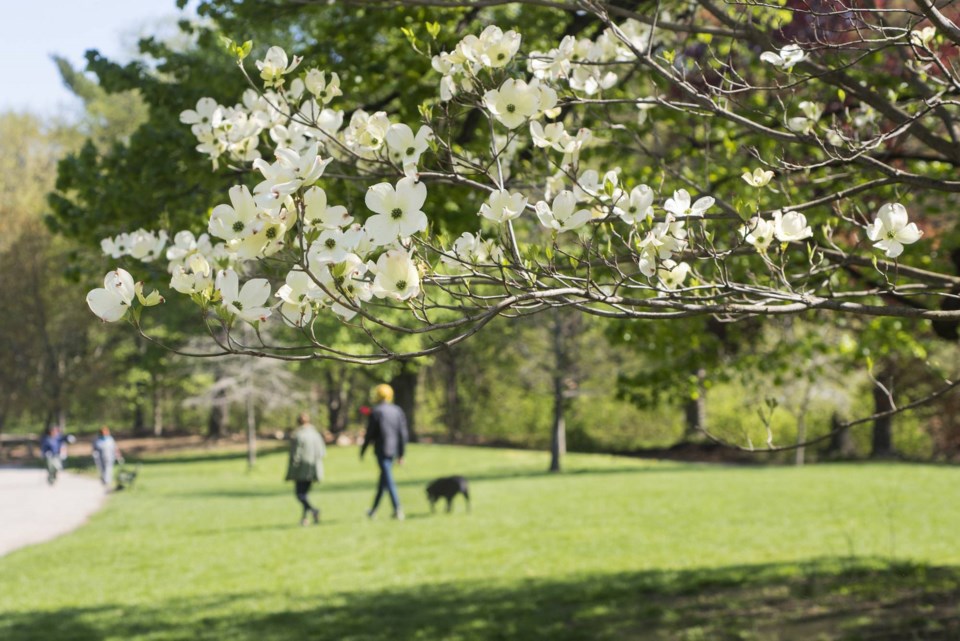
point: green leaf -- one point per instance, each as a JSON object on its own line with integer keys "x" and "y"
{"x": 433, "y": 28}
{"x": 426, "y": 111}
{"x": 411, "y": 36}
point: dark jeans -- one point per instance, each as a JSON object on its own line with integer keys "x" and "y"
{"x": 301, "y": 488}
{"x": 386, "y": 483}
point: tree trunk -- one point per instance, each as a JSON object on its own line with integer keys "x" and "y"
{"x": 216, "y": 426}
{"x": 251, "y": 433}
{"x": 801, "y": 451}
{"x": 841, "y": 441}
{"x": 565, "y": 328}
{"x": 452, "y": 417}
{"x": 404, "y": 386}
{"x": 157, "y": 409}
{"x": 882, "y": 446}
{"x": 139, "y": 422}
{"x": 337, "y": 402}
{"x": 558, "y": 435}
{"x": 695, "y": 409}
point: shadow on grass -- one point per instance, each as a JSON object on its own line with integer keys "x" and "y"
{"x": 824, "y": 600}
{"x": 504, "y": 474}
{"x": 195, "y": 456}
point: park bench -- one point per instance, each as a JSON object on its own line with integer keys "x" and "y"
{"x": 9, "y": 442}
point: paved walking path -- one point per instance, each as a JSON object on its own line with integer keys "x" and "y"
{"x": 32, "y": 511}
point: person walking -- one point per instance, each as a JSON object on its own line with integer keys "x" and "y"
{"x": 307, "y": 451}
{"x": 387, "y": 432}
{"x": 54, "y": 451}
{"x": 105, "y": 453}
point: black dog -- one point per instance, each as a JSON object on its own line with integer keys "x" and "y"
{"x": 447, "y": 488}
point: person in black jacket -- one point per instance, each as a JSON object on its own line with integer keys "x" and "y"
{"x": 387, "y": 432}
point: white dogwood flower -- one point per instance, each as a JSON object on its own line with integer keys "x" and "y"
{"x": 551, "y": 135}
{"x": 806, "y": 123}
{"x": 366, "y": 133}
{"x": 680, "y": 205}
{"x": 494, "y": 48}
{"x": 405, "y": 148}
{"x": 563, "y": 215}
{"x": 297, "y": 294}
{"x": 143, "y": 245}
{"x": 268, "y": 238}
{"x": 318, "y": 214}
{"x": 291, "y": 171}
{"x": 788, "y": 56}
{"x": 234, "y": 221}
{"x": 274, "y": 65}
{"x": 923, "y": 37}
{"x": 890, "y": 230}
{"x": 206, "y": 116}
{"x": 471, "y": 249}
{"x": 247, "y": 303}
{"x": 790, "y": 226}
{"x": 398, "y": 210}
{"x": 502, "y": 206}
{"x": 758, "y": 232}
{"x": 554, "y": 64}
{"x": 333, "y": 245}
{"x": 672, "y": 275}
{"x": 185, "y": 245}
{"x": 516, "y": 102}
{"x": 637, "y": 206}
{"x": 194, "y": 276}
{"x": 317, "y": 84}
{"x": 759, "y": 177}
{"x": 396, "y": 276}
{"x": 346, "y": 285}
{"x": 111, "y": 302}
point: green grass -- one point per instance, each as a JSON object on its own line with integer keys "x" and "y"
{"x": 612, "y": 549}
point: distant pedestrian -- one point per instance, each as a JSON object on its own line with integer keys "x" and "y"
{"x": 54, "y": 452}
{"x": 306, "y": 464}
{"x": 105, "y": 453}
{"x": 387, "y": 432}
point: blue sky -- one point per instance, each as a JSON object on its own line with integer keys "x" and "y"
{"x": 32, "y": 30}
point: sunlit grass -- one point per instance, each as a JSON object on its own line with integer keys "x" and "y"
{"x": 613, "y": 548}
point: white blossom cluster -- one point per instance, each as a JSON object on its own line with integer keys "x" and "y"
{"x": 345, "y": 259}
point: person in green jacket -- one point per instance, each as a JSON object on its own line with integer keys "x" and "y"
{"x": 306, "y": 464}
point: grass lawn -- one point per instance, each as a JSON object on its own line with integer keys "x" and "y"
{"x": 612, "y": 549}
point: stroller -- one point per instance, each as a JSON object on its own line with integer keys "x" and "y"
{"x": 127, "y": 476}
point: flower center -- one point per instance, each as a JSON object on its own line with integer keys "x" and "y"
{"x": 401, "y": 285}
{"x": 330, "y": 243}
{"x": 271, "y": 233}
{"x": 238, "y": 305}
{"x": 238, "y": 226}
{"x": 396, "y": 213}
{"x": 410, "y": 151}
{"x": 511, "y": 108}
